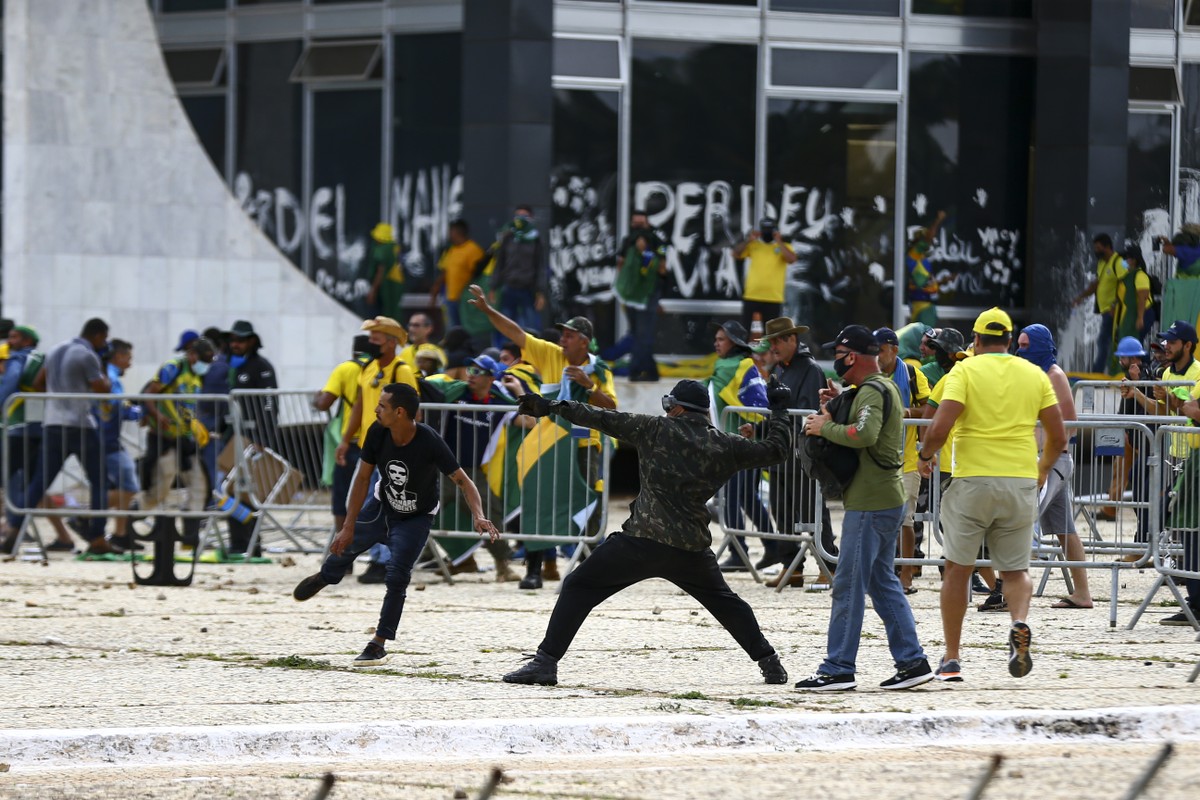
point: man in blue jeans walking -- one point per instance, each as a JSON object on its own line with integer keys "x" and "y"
{"x": 874, "y": 503}
{"x": 399, "y": 511}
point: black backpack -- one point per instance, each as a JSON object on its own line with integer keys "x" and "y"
{"x": 834, "y": 465}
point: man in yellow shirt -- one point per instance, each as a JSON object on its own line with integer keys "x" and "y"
{"x": 769, "y": 256}
{"x": 569, "y": 371}
{"x": 1110, "y": 271}
{"x": 1135, "y": 312}
{"x": 384, "y": 369}
{"x": 455, "y": 269}
{"x": 343, "y": 386}
{"x": 993, "y": 401}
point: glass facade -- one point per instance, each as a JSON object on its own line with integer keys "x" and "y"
{"x": 707, "y": 130}
{"x": 831, "y": 183}
{"x": 969, "y": 134}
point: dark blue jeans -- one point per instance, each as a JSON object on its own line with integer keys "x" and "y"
{"x": 60, "y": 442}
{"x": 643, "y": 323}
{"x": 742, "y": 500}
{"x": 1104, "y": 345}
{"x": 404, "y": 539}
{"x": 517, "y": 305}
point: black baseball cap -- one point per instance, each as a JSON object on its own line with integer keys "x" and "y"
{"x": 857, "y": 338}
{"x": 690, "y": 394}
{"x": 578, "y": 324}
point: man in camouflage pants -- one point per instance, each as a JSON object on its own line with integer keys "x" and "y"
{"x": 682, "y": 461}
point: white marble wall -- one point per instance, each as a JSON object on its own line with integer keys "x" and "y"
{"x": 113, "y": 209}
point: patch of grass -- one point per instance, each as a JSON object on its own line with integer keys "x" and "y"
{"x": 751, "y": 702}
{"x": 670, "y": 708}
{"x": 117, "y": 613}
{"x": 691, "y": 696}
{"x": 438, "y": 676}
{"x": 1063, "y": 675}
{"x": 298, "y": 662}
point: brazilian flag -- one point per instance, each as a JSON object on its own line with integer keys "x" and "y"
{"x": 555, "y": 498}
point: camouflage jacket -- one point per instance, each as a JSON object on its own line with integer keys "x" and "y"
{"x": 682, "y": 461}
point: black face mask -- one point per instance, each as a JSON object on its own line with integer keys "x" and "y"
{"x": 841, "y": 367}
{"x": 372, "y": 350}
{"x": 768, "y": 233}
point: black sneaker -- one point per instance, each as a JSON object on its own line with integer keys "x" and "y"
{"x": 766, "y": 561}
{"x": 541, "y": 670}
{"x": 1179, "y": 620}
{"x": 820, "y": 682}
{"x": 978, "y": 586}
{"x": 372, "y": 655}
{"x": 530, "y": 582}
{"x": 995, "y": 602}
{"x": 308, "y": 587}
{"x": 772, "y": 669}
{"x": 1019, "y": 660}
{"x": 376, "y": 573}
{"x": 908, "y": 678}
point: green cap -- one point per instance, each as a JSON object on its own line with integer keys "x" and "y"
{"x": 25, "y": 330}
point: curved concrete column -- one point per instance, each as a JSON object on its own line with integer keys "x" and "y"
{"x": 113, "y": 209}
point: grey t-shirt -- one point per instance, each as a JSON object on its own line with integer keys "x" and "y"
{"x": 71, "y": 367}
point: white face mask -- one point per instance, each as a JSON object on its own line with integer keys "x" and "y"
{"x": 200, "y": 368}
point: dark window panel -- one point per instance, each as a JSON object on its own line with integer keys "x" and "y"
{"x": 338, "y": 61}
{"x": 269, "y": 152}
{"x": 1192, "y": 14}
{"x": 347, "y": 147}
{"x": 264, "y": 2}
{"x": 1148, "y": 198}
{"x": 1153, "y": 84}
{"x": 335, "y": 2}
{"x": 975, "y": 8}
{"x": 171, "y": 6}
{"x": 1152, "y": 14}
{"x": 833, "y": 69}
{"x": 695, "y": 178}
{"x": 713, "y": 2}
{"x": 831, "y": 183}
{"x": 207, "y": 115}
{"x": 970, "y": 132}
{"x": 196, "y": 67}
{"x": 426, "y": 188}
{"x": 587, "y": 58}
{"x": 882, "y": 8}
{"x": 583, "y": 222}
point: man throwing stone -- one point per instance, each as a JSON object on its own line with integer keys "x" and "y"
{"x": 409, "y": 456}
{"x": 682, "y": 461}
{"x": 993, "y": 401}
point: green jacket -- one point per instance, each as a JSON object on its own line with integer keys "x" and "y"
{"x": 875, "y": 487}
{"x": 638, "y": 279}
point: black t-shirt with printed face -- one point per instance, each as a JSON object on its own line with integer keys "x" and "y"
{"x": 408, "y": 475}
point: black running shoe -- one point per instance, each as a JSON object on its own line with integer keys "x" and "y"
{"x": 372, "y": 655}
{"x": 908, "y": 678}
{"x": 772, "y": 669}
{"x": 820, "y": 682}
{"x": 375, "y": 573}
{"x": 308, "y": 587}
{"x": 541, "y": 670}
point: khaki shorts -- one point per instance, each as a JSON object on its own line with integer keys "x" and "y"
{"x": 912, "y": 487}
{"x": 999, "y": 512}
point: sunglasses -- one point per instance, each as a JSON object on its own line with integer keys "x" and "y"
{"x": 477, "y": 371}
{"x": 376, "y": 380}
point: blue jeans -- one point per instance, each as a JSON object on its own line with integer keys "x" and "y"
{"x": 58, "y": 443}
{"x": 454, "y": 312}
{"x": 517, "y": 305}
{"x": 404, "y": 539}
{"x": 642, "y": 325}
{"x": 866, "y": 566}
{"x": 380, "y": 554}
{"x": 1104, "y": 345}
{"x": 742, "y": 500}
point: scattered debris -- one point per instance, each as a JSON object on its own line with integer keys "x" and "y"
{"x": 657, "y": 610}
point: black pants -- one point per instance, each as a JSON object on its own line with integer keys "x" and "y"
{"x": 793, "y": 500}
{"x": 621, "y": 561}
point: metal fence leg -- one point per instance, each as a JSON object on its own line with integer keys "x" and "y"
{"x": 1112, "y": 597}
{"x": 786, "y": 575}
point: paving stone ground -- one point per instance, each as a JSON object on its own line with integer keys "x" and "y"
{"x": 81, "y": 649}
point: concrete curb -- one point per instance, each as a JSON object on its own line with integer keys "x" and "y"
{"x": 35, "y": 750}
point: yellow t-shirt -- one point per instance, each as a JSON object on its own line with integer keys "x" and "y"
{"x": 1141, "y": 283}
{"x": 370, "y": 387}
{"x": 458, "y": 263}
{"x": 1109, "y": 274}
{"x": 343, "y": 384}
{"x": 549, "y": 360}
{"x": 910, "y": 431}
{"x": 767, "y": 271}
{"x": 1002, "y": 396}
{"x": 1182, "y": 445}
{"x": 946, "y": 462}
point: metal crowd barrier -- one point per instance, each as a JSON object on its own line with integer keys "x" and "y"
{"x": 282, "y": 458}
{"x": 538, "y": 481}
{"x": 133, "y": 464}
{"x": 1176, "y": 538}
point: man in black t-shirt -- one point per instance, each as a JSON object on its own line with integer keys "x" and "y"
{"x": 400, "y": 510}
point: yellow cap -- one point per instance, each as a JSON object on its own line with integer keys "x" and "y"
{"x": 993, "y": 322}
{"x": 383, "y": 234}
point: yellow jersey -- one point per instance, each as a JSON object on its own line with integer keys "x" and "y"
{"x": 343, "y": 384}
{"x": 766, "y": 272}
{"x": 549, "y": 360}
{"x": 371, "y": 382}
